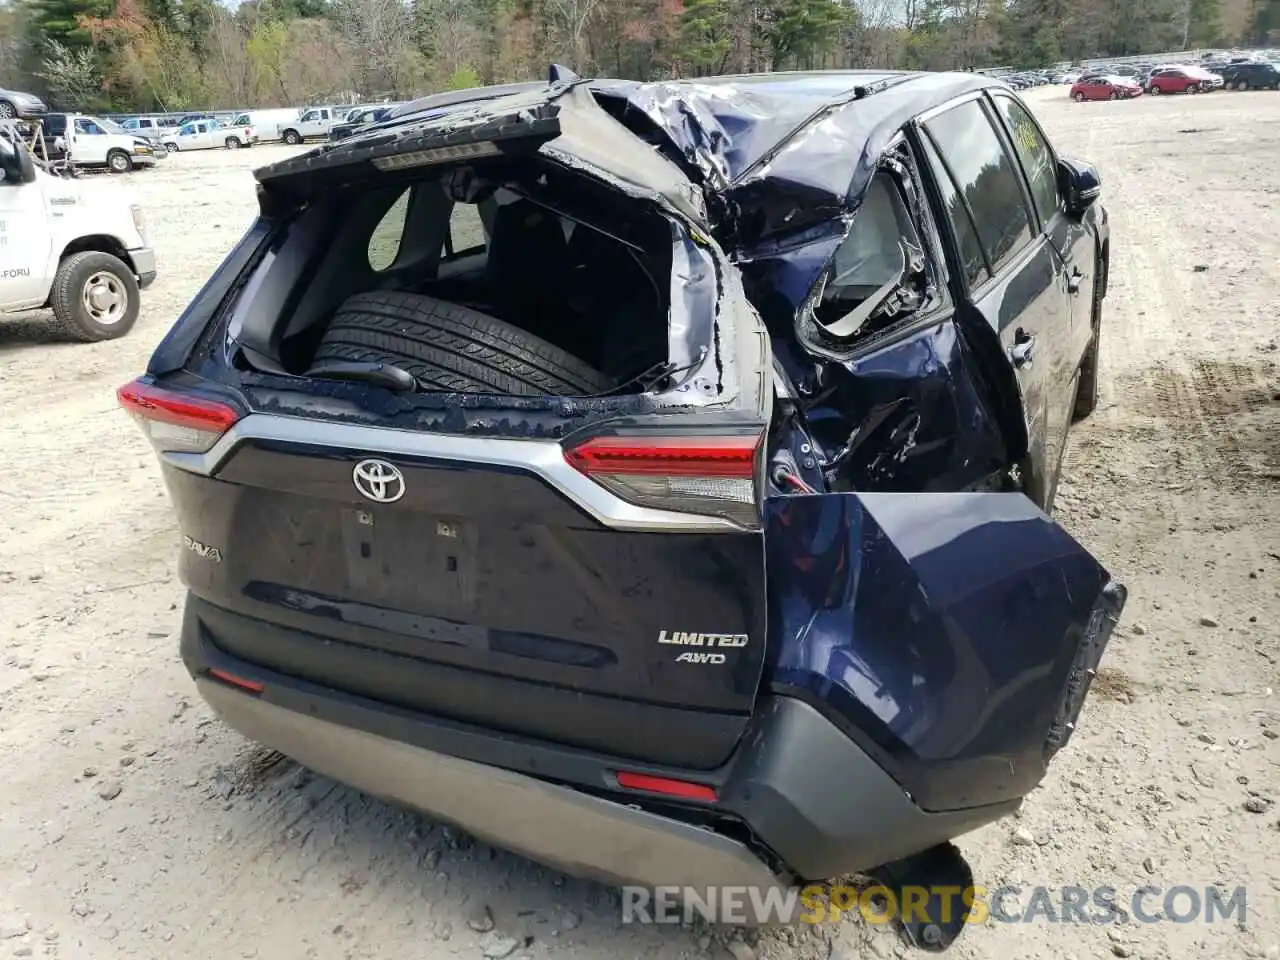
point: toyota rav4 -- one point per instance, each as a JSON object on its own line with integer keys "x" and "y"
{"x": 653, "y": 478}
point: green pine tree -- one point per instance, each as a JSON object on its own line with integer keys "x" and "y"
{"x": 705, "y": 36}
{"x": 57, "y": 21}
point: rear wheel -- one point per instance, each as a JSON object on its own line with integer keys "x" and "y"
{"x": 95, "y": 296}
{"x": 233, "y": 143}
{"x": 119, "y": 162}
{"x": 451, "y": 348}
{"x": 292, "y": 138}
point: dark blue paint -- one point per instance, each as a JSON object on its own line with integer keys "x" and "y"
{"x": 940, "y": 628}
{"x": 907, "y": 416}
{"x": 525, "y": 577}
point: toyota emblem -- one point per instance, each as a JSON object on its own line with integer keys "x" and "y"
{"x": 378, "y": 480}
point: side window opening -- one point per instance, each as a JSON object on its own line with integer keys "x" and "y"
{"x": 986, "y": 177}
{"x": 1035, "y": 155}
{"x": 384, "y": 245}
{"x": 882, "y": 271}
{"x": 467, "y": 235}
{"x": 973, "y": 263}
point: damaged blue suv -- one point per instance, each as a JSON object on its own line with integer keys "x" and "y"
{"x": 653, "y": 478}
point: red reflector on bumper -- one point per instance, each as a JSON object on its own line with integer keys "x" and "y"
{"x": 251, "y": 686}
{"x": 670, "y": 788}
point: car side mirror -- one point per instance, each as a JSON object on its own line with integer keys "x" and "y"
{"x": 1080, "y": 185}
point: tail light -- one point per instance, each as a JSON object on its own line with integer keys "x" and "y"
{"x": 176, "y": 422}
{"x": 706, "y": 475}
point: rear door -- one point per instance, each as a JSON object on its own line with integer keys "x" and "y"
{"x": 1014, "y": 278}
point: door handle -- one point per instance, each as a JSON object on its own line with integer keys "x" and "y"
{"x": 1074, "y": 279}
{"x": 1023, "y": 348}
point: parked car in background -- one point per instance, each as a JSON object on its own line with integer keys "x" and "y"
{"x": 151, "y": 128}
{"x": 1182, "y": 79}
{"x": 267, "y": 124}
{"x": 90, "y": 142}
{"x": 312, "y": 123}
{"x": 1259, "y": 75}
{"x": 705, "y": 627}
{"x": 16, "y": 105}
{"x": 207, "y": 135}
{"x": 186, "y": 118}
{"x": 1105, "y": 87}
{"x": 153, "y": 140}
{"x": 358, "y": 119}
{"x": 81, "y": 251}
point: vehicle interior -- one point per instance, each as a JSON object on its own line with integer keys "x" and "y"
{"x": 557, "y": 255}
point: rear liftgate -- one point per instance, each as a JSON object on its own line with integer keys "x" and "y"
{"x": 603, "y": 589}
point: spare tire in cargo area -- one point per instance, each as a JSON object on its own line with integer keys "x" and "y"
{"x": 452, "y": 348}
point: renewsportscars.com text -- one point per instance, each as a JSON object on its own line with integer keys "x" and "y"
{"x": 820, "y": 903}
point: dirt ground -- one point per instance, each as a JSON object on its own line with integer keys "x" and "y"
{"x": 134, "y": 825}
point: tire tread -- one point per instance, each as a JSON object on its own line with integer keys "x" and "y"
{"x": 453, "y": 348}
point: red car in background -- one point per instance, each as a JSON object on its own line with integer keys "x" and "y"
{"x": 1182, "y": 80}
{"x": 1105, "y": 87}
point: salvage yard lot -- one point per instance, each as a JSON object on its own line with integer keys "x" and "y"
{"x": 134, "y": 825}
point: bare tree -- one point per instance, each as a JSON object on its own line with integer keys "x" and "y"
{"x": 569, "y": 19}
{"x": 228, "y": 72}
{"x": 379, "y": 37}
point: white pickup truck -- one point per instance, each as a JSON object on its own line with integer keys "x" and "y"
{"x": 314, "y": 122}
{"x": 208, "y": 134}
{"x": 76, "y": 247}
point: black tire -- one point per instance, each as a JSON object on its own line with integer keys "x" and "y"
{"x": 171, "y": 148}
{"x": 233, "y": 143}
{"x": 1242, "y": 84}
{"x": 1078, "y": 97}
{"x": 291, "y": 137}
{"x": 7, "y": 110}
{"x": 119, "y": 162}
{"x": 1087, "y": 391}
{"x": 453, "y": 349}
{"x": 73, "y": 305}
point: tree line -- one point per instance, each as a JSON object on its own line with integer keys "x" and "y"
{"x": 170, "y": 55}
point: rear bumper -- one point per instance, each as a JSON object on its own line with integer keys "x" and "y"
{"x": 798, "y": 799}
